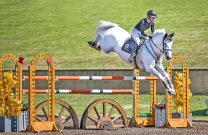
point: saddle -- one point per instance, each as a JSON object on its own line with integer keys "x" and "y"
{"x": 128, "y": 45}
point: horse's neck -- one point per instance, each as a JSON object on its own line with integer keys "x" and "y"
{"x": 157, "y": 45}
{"x": 157, "y": 39}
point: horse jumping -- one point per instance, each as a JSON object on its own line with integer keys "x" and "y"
{"x": 112, "y": 38}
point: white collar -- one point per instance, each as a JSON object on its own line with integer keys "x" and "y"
{"x": 148, "y": 20}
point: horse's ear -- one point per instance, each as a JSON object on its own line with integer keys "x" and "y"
{"x": 165, "y": 35}
{"x": 171, "y": 35}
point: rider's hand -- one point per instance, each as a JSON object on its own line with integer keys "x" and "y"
{"x": 143, "y": 39}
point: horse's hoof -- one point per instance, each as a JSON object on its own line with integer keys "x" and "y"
{"x": 89, "y": 42}
{"x": 172, "y": 93}
{"x": 99, "y": 48}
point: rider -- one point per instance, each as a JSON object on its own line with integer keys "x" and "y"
{"x": 138, "y": 31}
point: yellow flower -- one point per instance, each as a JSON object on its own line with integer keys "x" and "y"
{"x": 178, "y": 86}
{"x": 9, "y": 105}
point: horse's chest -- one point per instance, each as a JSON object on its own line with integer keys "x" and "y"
{"x": 140, "y": 64}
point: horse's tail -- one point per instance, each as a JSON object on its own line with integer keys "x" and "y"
{"x": 103, "y": 27}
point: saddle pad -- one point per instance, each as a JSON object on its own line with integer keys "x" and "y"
{"x": 128, "y": 45}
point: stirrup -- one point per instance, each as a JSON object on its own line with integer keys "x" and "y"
{"x": 131, "y": 58}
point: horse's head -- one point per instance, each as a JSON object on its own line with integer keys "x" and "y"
{"x": 167, "y": 45}
{"x": 163, "y": 42}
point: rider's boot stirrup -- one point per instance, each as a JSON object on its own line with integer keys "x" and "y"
{"x": 133, "y": 53}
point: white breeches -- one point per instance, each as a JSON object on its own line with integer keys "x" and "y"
{"x": 136, "y": 35}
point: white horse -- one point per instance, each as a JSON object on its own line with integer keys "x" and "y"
{"x": 111, "y": 38}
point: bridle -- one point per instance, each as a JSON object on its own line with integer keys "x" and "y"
{"x": 165, "y": 50}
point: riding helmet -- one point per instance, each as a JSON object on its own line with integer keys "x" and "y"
{"x": 152, "y": 13}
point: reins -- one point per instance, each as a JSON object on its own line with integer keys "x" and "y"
{"x": 155, "y": 57}
{"x": 162, "y": 51}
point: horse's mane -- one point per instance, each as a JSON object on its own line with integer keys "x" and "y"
{"x": 159, "y": 31}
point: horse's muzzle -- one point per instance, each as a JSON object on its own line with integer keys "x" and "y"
{"x": 168, "y": 58}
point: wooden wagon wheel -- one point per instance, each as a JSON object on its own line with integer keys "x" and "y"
{"x": 66, "y": 118}
{"x": 103, "y": 113}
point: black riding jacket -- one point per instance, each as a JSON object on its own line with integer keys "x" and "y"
{"x": 144, "y": 25}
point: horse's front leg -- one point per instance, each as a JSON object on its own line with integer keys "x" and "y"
{"x": 161, "y": 70}
{"x": 156, "y": 73}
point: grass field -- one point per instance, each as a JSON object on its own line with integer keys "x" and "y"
{"x": 80, "y": 101}
{"x": 62, "y": 28}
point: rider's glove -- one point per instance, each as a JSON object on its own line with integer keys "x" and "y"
{"x": 147, "y": 37}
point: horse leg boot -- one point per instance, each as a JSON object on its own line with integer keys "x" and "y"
{"x": 94, "y": 45}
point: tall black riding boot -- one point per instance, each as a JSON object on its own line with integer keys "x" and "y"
{"x": 132, "y": 53}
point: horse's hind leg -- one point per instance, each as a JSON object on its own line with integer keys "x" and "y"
{"x": 94, "y": 44}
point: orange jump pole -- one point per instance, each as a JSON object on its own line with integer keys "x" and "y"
{"x": 84, "y": 91}
{"x": 59, "y": 78}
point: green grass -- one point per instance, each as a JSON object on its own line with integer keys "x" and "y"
{"x": 62, "y": 28}
{"x": 79, "y": 102}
